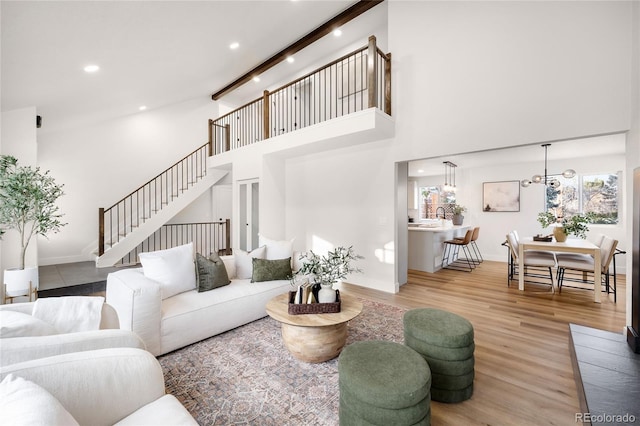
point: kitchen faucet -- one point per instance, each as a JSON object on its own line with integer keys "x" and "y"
{"x": 443, "y": 212}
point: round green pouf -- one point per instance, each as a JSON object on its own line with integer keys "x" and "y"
{"x": 383, "y": 383}
{"x": 384, "y": 374}
{"x": 438, "y": 327}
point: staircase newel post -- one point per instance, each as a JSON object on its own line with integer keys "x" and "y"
{"x": 265, "y": 114}
{"x": 210, "y": 137}
{"x": 227, "y": 138}
{"x": 100, "y": 231}
{"x": 372, "y": 72}
{"x": 387, "y": 84}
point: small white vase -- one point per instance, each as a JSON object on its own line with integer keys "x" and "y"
{"x": 326, "y": 294}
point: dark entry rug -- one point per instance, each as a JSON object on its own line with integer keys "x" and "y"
{"x": 247, "y": 377}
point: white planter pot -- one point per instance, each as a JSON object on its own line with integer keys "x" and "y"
{"x": 326, "y": 294}
{"x": 20, "y": 282}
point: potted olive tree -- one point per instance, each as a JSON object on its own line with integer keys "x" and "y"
{"x": 27, "y": 205}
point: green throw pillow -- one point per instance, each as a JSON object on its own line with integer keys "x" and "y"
{"x": 271, "y": 270}
{"x": 211, "y": 272}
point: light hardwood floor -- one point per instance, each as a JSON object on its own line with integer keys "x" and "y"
{"x": 523, "y": 372}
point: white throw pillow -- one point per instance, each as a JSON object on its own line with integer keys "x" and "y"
{"x": 244, "y": 264}
{"x": 276, "y": 249}
{"x": 230, "y": 265}
{"x": 173, "y": 268}
{"x": 25, "y": 403}
{"x": 18, "y": 324}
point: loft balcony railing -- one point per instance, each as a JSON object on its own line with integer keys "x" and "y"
{"x": 119, "y": 220}
{"x": 354, "y": 82}
{"x": 207, "y": 238}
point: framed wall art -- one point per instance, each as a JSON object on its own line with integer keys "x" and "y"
{"x": 501, "y": 196}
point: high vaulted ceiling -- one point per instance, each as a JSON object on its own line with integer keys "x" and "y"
{"x": 154, "y": 53}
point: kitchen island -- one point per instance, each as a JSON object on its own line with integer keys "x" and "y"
{"x": 426, "y": 244}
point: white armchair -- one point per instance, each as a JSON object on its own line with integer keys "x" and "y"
{"x": 123, "y": 386}
{"x": 25, "y": 348}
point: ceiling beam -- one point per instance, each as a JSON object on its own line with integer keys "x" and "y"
{"x": 352, "y": 12}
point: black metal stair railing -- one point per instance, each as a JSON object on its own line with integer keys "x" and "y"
{"x": 207, "y": 238}
{"x": 119, "y": 220}
{"x": 357, "y": 81}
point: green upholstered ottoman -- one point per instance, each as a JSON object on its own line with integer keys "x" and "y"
{"x": 445, "y": 340}
{"x": 383, "y": 383}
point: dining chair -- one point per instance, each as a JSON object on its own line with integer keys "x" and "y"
{"x": 581, "y": 268}
{"x": 450, "y": 255}
{"x": 535, "y": 261}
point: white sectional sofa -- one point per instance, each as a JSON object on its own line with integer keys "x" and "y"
{"x": 169, "y": 323}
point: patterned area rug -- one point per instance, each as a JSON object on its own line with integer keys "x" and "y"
{"x": 246, "y": 376}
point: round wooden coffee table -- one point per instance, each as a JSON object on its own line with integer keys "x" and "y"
{"x": 314, "y": 337}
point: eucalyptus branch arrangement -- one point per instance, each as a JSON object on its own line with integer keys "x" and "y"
{"x": 28, "y": 202}
{"x": 336, "y": 265}
{"x": 574, "y": 225}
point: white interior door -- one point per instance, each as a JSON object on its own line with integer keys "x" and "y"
{"x": 249, "y": 192}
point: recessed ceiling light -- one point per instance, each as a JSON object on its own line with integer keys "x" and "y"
{"x": 256, "y": 79}
{"x": 91, "y": 68}
{"x": 234, "y": 45}
{"x": 337, "y": 32}
{"x": 290, "y": 59}
{"x": 142, "y": 107}
{"x": 420, "y": 171}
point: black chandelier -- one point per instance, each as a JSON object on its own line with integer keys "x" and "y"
{"x": 546, "y": 180}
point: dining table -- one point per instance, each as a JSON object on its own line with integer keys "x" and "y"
{"x": 571, "y": 245}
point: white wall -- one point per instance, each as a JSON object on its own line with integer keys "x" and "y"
{"x": 100, "y": 163}
{"x": 343, "y": 198}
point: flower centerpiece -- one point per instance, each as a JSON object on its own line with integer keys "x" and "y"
{"x": 574, "y": 225}
{"x": 327, "y": 270}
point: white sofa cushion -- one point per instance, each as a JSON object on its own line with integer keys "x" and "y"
{"x": 25, "y": 403}
{"x": 173, "y": 268}
{"x": 191, "y": 316}
{"x": 18, "y": 324}
{"x": 276, "y": 249}
{"x": 163, "y": 411}
{"x": 244, "y": 262}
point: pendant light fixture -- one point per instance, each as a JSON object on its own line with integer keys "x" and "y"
{"x": 449, "y": 176}
{"x": 546, "y": 180}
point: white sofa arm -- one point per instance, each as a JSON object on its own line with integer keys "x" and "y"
{"x": 97, "y": 387}
{"x": 21, "y": 349}
{"x": 108, "y": 315}
{"x": 138, "y": 302}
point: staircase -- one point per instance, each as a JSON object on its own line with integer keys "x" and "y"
{"x": 130, "y": 221}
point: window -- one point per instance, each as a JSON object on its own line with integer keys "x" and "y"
{"x": 596, "y": 193}
{"x": 432, "y": 197}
